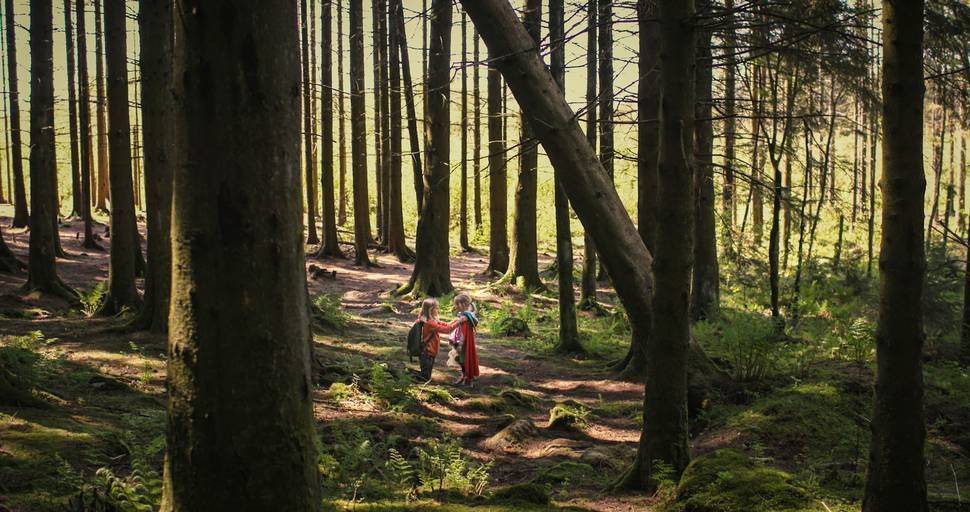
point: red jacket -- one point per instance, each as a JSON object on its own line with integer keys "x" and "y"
{"x": 431, "y": 334}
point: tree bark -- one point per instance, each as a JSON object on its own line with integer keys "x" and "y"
{"x": 413, "y": 138}
{"x": 587, "y": 288}
{"x": 605, "y": 99}
{"x": 330, "y": 248}
{"x": 705, "y": 287}
{"x": 895, "y": 478}
{"x": 20, "y": 214}
{"x": 728, "y": 201}
{"x": 103, "y": 189}
{"x": 568, "y": 330}
{"x": 9, "y": 263}
{"x": 42, "y": 270}
{"x": 309, "y": 141}
{"x": 241, "y": 432}
{"x": 379, "y": 149}
{"x": 84, "y": 118}
{"x": 385, "y": 120}
{"x": 498, "y": 237}
{"x": 124, "y": 235}
{"x": 463, "y": 119}
{"x": 72, "y": 112}
{"x": 524, "y": 269}
{"x": 477, "y": 130}
{"x": 341, "y": 116}
{"x": 757, "y": 162}
{"x": 156, "y": 32}
{"x": 432, "y": 271}
{"x": 358, "y": 134}
{"x": 396, "y": 242}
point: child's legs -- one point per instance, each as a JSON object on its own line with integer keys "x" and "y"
{"x": 427, "y": 365}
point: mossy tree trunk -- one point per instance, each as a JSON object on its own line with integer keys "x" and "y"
{"x": 432, "y": 269}
{"x": 358, "y": 129}
{"x": 895, "y": 479}
{"x": 42, "y": 271}
{"x": 330, "y": 248}
{"x": 156, "y": 31}
{"x": 498, "y": 234}
{"x": 20, "y": 214}
{"x": 84, "y": 120}
{"x": 240, "y": 428}
{"x": 568, "y": 330}
{"x": 124, "y": 235}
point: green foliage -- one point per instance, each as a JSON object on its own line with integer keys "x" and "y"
{"x": 21, "y": 366}
{"x": 729, "y": 481}
{"x": 140, "y": 490}
{"x": 565, "y": 473}
{"x": 442, "y": 463}
{"x": 748, "y": 340}
{"x": 509, "y": 320}
{"x": 394, "y": 392}
{"x": 664, "y": 477}
{"x": 854, "y": 341}
{"x": 569, "y": 416}
{"x": 327, "y": 310}
{"x": 529, "y": 493}
{"x": 92, "y": 298}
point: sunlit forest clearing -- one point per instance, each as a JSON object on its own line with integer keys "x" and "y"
{"x": 392, "y": 255}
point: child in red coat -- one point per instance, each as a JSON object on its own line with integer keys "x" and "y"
{"x": 464, "y": 340}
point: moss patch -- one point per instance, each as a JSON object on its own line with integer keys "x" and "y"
{"x": 568, "y": 416}
{"x": 533, "y": 493}
{"x": 730, "y": 481}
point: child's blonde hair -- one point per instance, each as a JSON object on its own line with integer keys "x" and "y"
{"x": 464, "y": 302}
{"x": 429, "y": 305}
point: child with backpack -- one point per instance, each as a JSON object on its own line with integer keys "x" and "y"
{"x": 430, "y": 329}
{"x": 463, "y": 340}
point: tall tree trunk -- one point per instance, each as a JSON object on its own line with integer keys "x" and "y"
{"x": 396, "y": 242}
{"x": 757, "y": 161}
{"x": 309, "y": 142}
{"x": 156, "y": 32}
{"x": 124, "y": 235}
{"x": 524, "y": 269}
{"x": 379, "y": 78}
{"x": 477, "y": 131}
{"x": 341, "y": 117}
{"x": 331, "y": 243}
{"x": 568, "y": 330}
{"x": 664, "y": 436}
{"x": 5, "y": 198}
{"x": 9, "y": 264}
{"x": 385, "y": 121}
{"x": 463, "y": 119}
{"x": 84, "y": 119}
{"x": 605, "y": 48}
{"x": 42, "y": 270}
{"x": 72, "y": 112}
{"x": 102, "y": 193}
{"x": 895, "y": 478}
{"x": 241, "y": 433}
{"x": 855, "y": 161}
{"x": 730, "y": 122}
{"x": 358, "y": 128}
{"x": 413, "y": 138}
{"x": 705, "y": 287}
{"x": 962, "y": 186}
{"x": 498, "y": 235}
{"x": 587, "y": 288}
{"x": 20, "y": 214}
{"x": 432, "y": 271}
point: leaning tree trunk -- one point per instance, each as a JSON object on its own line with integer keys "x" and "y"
{"x": 124, "y": 235}
{"x": 895, "y": 479}
{"x": 587, "y": 287}
{"x": 72, "y": 112}
{"x": 156, "y": 32}
{"x": 102, "y": 192}
{"x": 358, "y": 129}
{"x": 309, "y": 141}
{"x": 42, "y": 270}
{"x": 432, "y": 271}
{"x": 705, "y": 287}
{"x": 413, "y": 138}
{"x": 20, "y": 214}
{"x": 498, "y": 237}
{"x": 568, "y": 330}
{"x": 84, "y": 119}
{"x": 605, "y": 99}
{"x": 524, "y": 269}
{"x": 396, "y": 242}
{"x": 633, "y": 365}
{"x": 241, "y": 433}
{"x": 665, "y": 436}
{"x": 330, "y": 248}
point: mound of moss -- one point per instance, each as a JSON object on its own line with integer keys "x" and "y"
{"x": 530, "y": 492}
{"x": 17, "y": 376}
{"x": 568, "y": 416}
{"x": 729, "y": 481}
{"x": 564, "y": 473}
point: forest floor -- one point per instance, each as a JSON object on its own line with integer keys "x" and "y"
{"x": 792, "y": 440}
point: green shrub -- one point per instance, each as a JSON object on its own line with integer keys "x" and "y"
{"x": 327, "y": 310}
{"x": 747, "y": 340}
{"x": 91, "y": 298}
